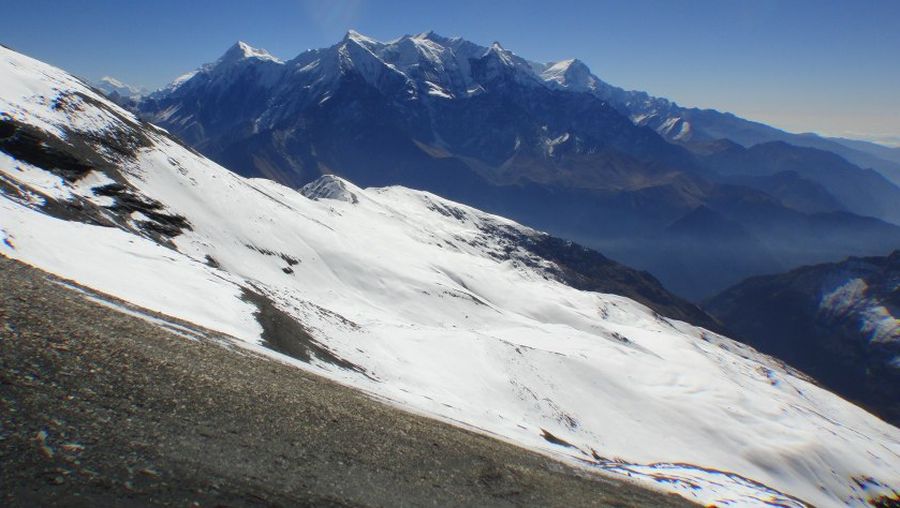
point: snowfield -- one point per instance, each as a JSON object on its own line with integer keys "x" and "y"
{"x": 426, "y": 304}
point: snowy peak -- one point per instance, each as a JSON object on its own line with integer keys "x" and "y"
{"x": 113, "y": 82}
{"x": 242, "y": 51}
{"x": 331, "y": 187}
{"x": 364, "y": 40}
{"x": 358, "y": 53}
{"x": 119, "y": 92}
{"x": 570, "y": 74}
{"x": 109, "y": 85}
{"x": 501, "y": 54}
{"x": 498, "y": 64}
{"x": 429, "y": 35}
{"x": 221, "y": 73}
{"x": 496, "y": 47}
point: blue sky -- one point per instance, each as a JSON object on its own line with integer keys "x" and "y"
{"x": 829, "y": 67}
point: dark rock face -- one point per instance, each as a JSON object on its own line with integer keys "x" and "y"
{"x": 78, "y": 155}
{"x": 478, "y": 125}
{"x": 284, "y": 334}
{"x": 838, "y": 322}
{"x": 28, "y": 145}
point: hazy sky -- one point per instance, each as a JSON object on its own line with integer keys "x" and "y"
{"x": 822, "y": 66}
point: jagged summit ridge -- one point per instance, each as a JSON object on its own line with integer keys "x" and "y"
{"x": 439, "y": 66}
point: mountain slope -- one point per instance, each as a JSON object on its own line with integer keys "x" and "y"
{"x": 422, "y": 302}
{"x": 147, "y": 427}
{"x": 840, "y": 322}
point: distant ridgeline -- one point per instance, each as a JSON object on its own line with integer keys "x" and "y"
{"x": 647, "y": 182}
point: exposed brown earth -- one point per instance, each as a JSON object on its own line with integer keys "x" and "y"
{"x": 101, "y": 408}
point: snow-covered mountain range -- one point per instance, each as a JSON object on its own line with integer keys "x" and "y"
{"x": 422, "y": 302}
{"x": 548, "y": 145}
{"x": 439, "y": 66}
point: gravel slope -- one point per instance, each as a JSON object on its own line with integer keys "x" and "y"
{"x": 98, "y": 407}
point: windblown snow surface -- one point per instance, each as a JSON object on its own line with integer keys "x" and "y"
{"x": 427, "y": 304}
